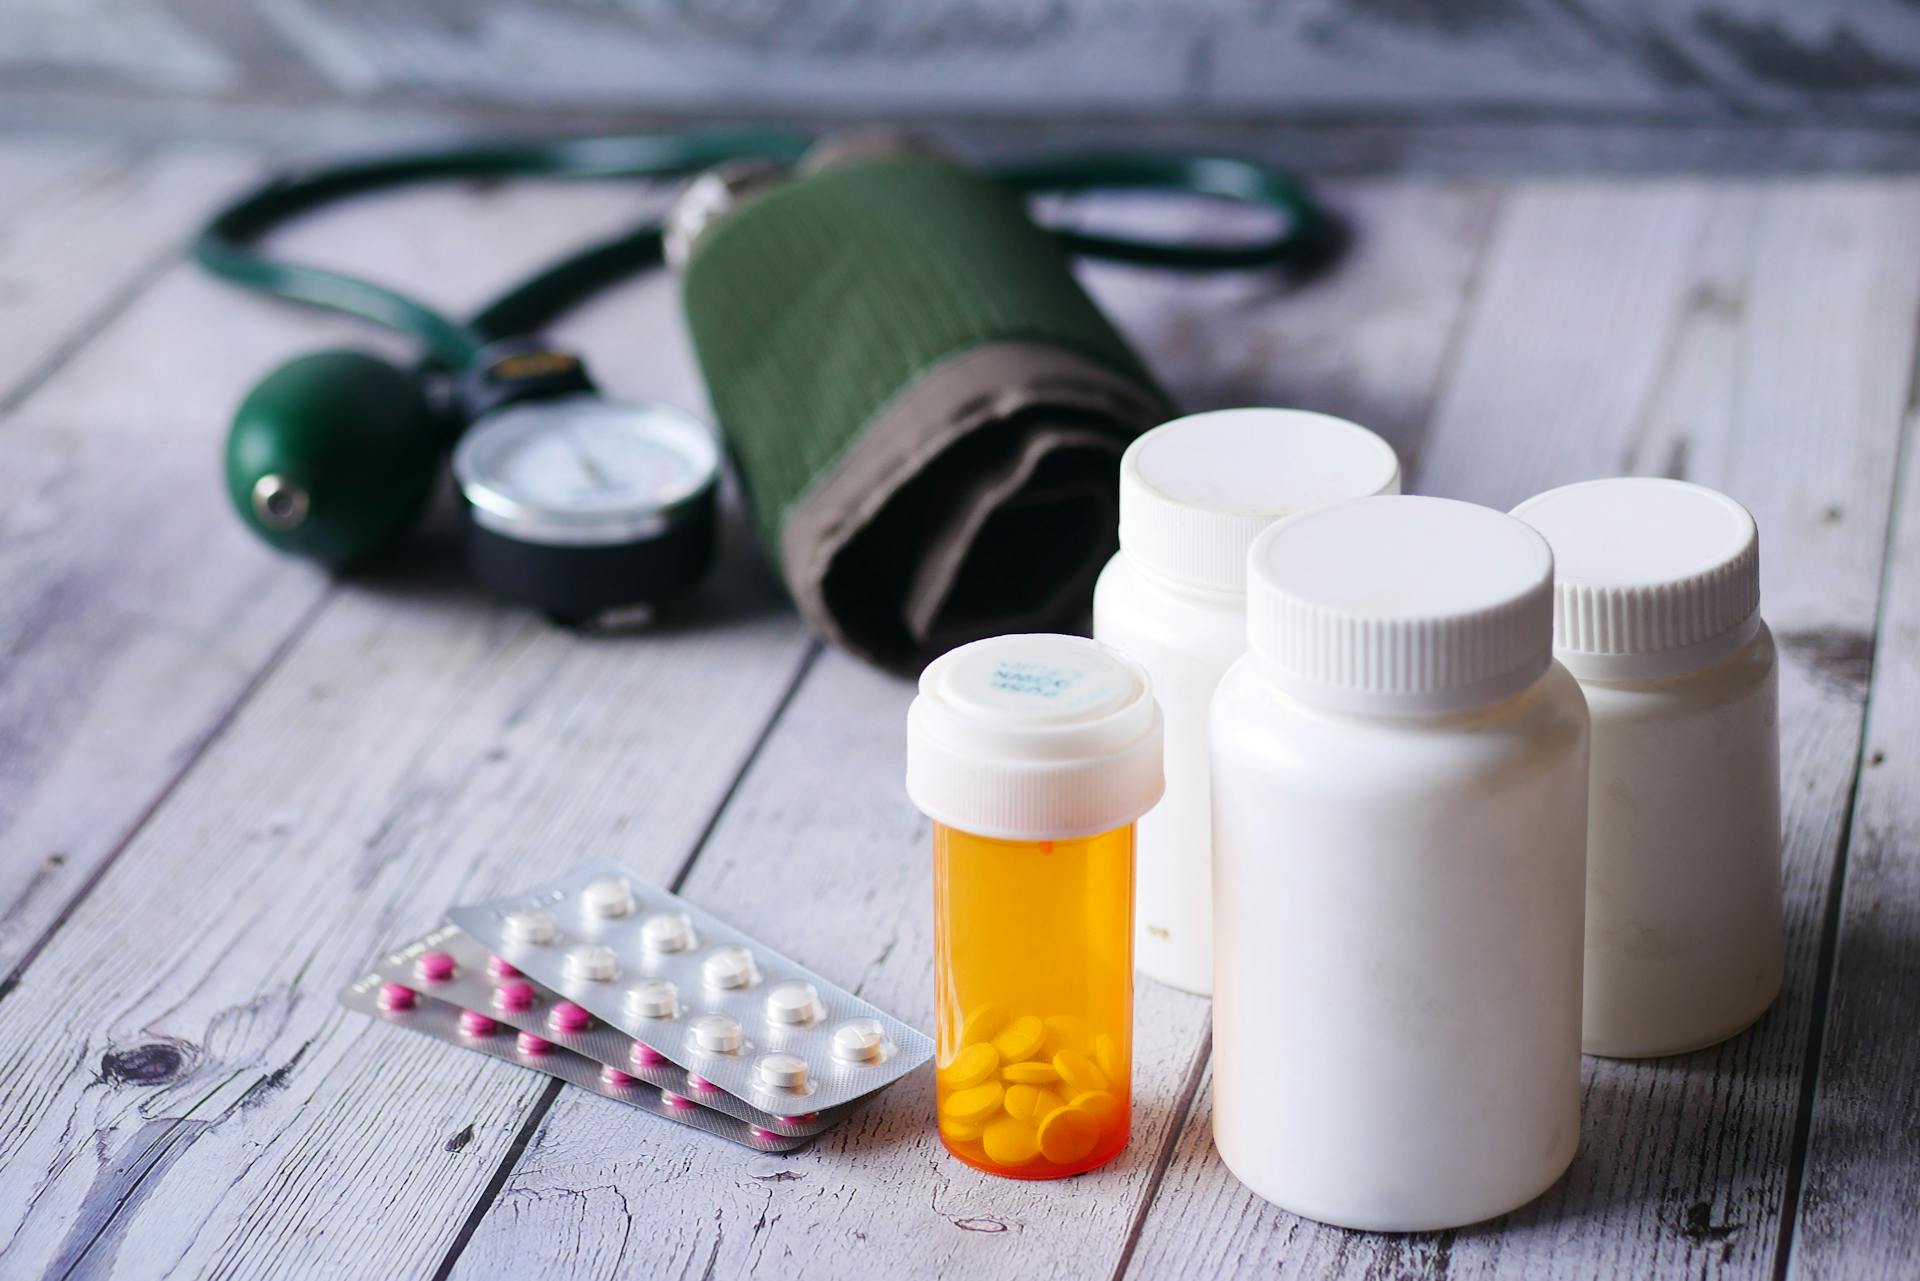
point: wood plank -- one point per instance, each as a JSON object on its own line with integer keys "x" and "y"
{"x": 1684, "y": 328}
{"x": 84, "y": 226}
{"x": 1863, "y": 1156}
{"x": 821, "y": 854}
{"x": 119, "y": 558}
{"x": 189, "y": 1097}
{"x": 410, "y": 749}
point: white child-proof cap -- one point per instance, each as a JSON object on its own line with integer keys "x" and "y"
{"x": 1196, "y": 492}
{"x": 1400, "y": 605}
{"x": 1652, "y": 576}
{"x": 1034, "y": 738}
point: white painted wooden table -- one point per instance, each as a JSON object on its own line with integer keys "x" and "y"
{"x": 227, "y": 782}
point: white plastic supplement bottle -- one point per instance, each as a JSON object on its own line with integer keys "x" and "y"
{"x": 1400, "y": 811}
{"x": 1193, "y": 495}
{"x": 1658, "y": 616}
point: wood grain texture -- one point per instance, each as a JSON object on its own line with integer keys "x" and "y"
{"x": 1753, "y": 338}
{"x": 410, "y": 749}
{"x": 83, "y": 227}
{"x": 1863, "y": 1160}
{"x": 135, "y": 612}
{"x": 1369, "y": 341}
{"x": 273, "y": 778}
{"x": 181, "y": 1093}
{"x": 821, "y": 853}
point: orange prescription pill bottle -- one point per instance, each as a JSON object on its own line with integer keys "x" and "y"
{"x": 1033, "y": 756}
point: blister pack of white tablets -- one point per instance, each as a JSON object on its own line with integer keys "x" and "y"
{"x": 404, "y": 1006}
{"x": 448, "y": 965}
{"x": 686, "y": 984}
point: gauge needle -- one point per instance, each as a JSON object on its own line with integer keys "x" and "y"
{"x": 585, "y": 458}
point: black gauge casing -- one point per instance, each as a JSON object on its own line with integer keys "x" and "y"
{"x": 610, "y": 552}
{"x": 576, "y": 586}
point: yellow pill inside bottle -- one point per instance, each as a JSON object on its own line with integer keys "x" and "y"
{"x": 1020, "y": 1039}
{"x": 1079, "y": 1071}
{"x": 960, "y": 1131}
{"x": 1031, "y": 1102}
{"x": 983, "y": 1024}
{"x": 1034, "y": 1073}
{"x": 971, "y": 1066}
{"x": 1068, "y": 1136}
{"x": 976, "y": 1103}
{"x": 1011, "y": 1143}
{"x": 1098, "y": 1104}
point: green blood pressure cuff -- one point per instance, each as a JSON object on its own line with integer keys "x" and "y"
{"x": 925, "y": 409}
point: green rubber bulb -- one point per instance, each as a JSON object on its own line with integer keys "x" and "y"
{"x": 333, "y": 456}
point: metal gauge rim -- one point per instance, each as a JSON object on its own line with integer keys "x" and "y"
{"x": 622, "y": 518}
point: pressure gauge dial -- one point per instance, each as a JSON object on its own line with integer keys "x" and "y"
{"x": 584, "y": 506}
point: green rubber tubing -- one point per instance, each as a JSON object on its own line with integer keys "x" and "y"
{"x": 227, "y": 246}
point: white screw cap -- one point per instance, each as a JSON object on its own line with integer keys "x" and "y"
{"x": 1195, "y": 492}
{"x": 609, "y": 896}
{"x": 1034, "y": 738}
{"x": 1400, "y": 605}
{"x": 530, "y": 926}
{"x": 592, "y": 962}
{"x": 1652, "y": 577}
{"x": 652, "y": 999}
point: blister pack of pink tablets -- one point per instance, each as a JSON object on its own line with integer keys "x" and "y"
{"x": 446, "y": 965}
{"x": 734, "y": 1013}
{"x": 404, "y": 1006}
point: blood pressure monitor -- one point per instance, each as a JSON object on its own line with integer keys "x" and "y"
{"x": 586, "y": 507}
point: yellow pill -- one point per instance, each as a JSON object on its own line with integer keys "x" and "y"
{"x": 983, "y": 1024}
{"x": 1065, "y": 1032}
{"x": 1031, "y": 1102}
{"x": 1021, "y": 1038}
{"x": 975, "y": 1104}
{"x": 1010, "y": 1142}
{"x": 1079, "y": 1071}
{"x": 1030, "y": 1073}
{"x": 960, "y": 1131}
{"x": 1068, "y": 1135}
{"x": 971, "y": 1066}
{"x": 1107, "y": 1055}
{"x": 1104, "y": 1107}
